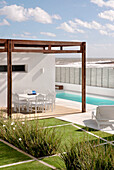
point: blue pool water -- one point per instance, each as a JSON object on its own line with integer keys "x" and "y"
{"x": 89, "y": 100}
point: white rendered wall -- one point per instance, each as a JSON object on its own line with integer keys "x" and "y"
{"x": 109, "y": 92}
{"x": 40, "y": 75}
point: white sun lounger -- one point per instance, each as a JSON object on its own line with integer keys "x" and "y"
{"x": 104, "y": 115}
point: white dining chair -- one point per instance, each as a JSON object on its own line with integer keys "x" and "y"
{"x": 38, "y": 103}
{"x": 49, "y": 102}
{"x": 19, "y": 103}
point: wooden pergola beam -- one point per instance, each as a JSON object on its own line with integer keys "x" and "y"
{"x": 49, "y": 51}
{"x": 9, "y": 46}
{"x": 46, "y": 43}
{"x": 3, "y": 41}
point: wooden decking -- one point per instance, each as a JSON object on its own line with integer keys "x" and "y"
{"x": 58, "y": 111}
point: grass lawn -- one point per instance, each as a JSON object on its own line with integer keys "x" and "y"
{"x": 29, "y": 166}
{"x": 56, "y": 161}
{"x": 107, "y": 136}
{"x": 49, "y": 121}
{"x": 54, "y": 121}
{"x": 69, "y": 133}
{"x": 9, "y": 155}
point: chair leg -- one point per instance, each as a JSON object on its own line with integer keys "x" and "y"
{"x": 14, "y": 108}
{"x": 43, "y": 109}
{"x": 27, "y": 108}
{"x": 98, "y": 126}
{"x": 35, "y": 109}
{"x": 54, "y": 104}
{"x": 22, "y": 107}
{"x": 19, "y": 108}
{"x": 52, "y": 107}
{"x": 31, "y": 108}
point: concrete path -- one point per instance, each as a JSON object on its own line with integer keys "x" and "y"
{"x": 84, "y": 119}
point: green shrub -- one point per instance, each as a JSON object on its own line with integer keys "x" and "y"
{"x": 32, "y": 138}
{"x": 84, "y": 156}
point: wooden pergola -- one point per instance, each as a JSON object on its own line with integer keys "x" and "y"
{"x": 33, "y": 46}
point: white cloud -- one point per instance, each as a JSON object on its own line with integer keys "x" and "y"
{"x": 39, "y": 15}
{"x": 20, "y": 14}
{"x": 103, "y": 32}
{"x": 70, "y": 27}
{"x": 25, "y": 35}
{"x": 74, "y": 25}
{"x": 107, "y": 15}
{"x": 90, "y": 25}
{"x": 4, "y": 22}
{"x": 103, "y": 29}
{"x": 110, "y": 27}
{"x": 96, "y": 25}
{"x": 82, "y": 23}
{"x": 98, "y": 2}
{"x": 48, "y": 34}
{"x": 79, "y": 30}
{"x": 14, "y": 13}
{"x": 56, "y": 17}
{"x": 101, "y": 3}
{"x": 64, "y": 26}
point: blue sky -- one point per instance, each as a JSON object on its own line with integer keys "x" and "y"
{"x": 67, "y": 20}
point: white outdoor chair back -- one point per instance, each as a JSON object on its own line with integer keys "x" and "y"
{"x": 105, "y": 112}
{"x": 18, "y": 103}
{"x": 49, "y": 101}
{"x": 50, "y": 97}
{"x": 40, "y": 98}
{"x": 15, "y": 98}
{"x": 104, "y": 115}
{"x": 38, "y": 103}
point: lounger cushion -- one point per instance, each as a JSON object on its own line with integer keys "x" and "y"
{"x": 105, "y": 112}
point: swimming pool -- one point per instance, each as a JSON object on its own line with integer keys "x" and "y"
{"x": 89, "y": 100}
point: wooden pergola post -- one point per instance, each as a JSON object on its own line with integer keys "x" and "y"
{"x": 83, "y": 77}
{"x": 9, "y": 78}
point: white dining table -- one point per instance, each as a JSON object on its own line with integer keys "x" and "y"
{"x": 28, "y": 97}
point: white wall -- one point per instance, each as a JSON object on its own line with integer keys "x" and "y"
{"x": 34, "y": 78}
{"x": 89, "y": 89}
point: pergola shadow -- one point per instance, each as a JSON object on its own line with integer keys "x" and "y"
{"x": 58, "y": 111}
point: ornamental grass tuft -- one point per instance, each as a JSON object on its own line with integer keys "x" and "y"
{"x": 31, "y": 138}
{"x": 85, "y": 156}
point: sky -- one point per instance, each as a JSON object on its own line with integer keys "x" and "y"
{"x": 91, "y": 21}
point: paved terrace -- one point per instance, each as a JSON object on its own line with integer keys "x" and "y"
{"x": 59, "y": 110}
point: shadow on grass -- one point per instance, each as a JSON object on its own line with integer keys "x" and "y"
{"x": 87, "y": 129}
